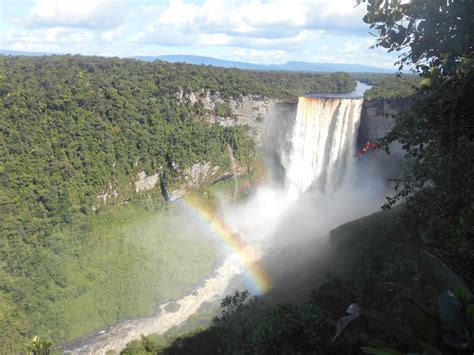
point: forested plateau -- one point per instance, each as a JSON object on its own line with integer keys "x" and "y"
{"x": 74, "y": 133}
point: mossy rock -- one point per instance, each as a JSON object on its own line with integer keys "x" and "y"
{"x": 172, "y": 307}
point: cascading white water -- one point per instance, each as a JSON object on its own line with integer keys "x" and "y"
{"x": 322, "y": 144}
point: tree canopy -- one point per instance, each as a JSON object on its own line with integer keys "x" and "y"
{"x": 75, "y": 128}
{"x": 435, "y": 38}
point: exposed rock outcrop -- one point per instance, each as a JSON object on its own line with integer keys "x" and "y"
{"x": 146, "y": 182}
{"x": 199, "y": 173}
{"x": 251, "y": 110}
{"x": 271, "y": 122}
{"x": 111, "y": 192}
{"x": 378, "y": 117}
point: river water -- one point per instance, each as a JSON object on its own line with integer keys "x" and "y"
{"x": 117, "y": 337}
{"x": 358, "y": 93}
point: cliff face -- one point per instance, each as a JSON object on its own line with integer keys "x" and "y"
{"x": 255, "y": 111}
{"x": 271, "y": 123}
{"x": 378, "y": 118}
{"x": 269, "y": 120}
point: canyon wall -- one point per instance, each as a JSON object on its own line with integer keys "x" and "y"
{"x": 271, "y": 123}
{"x": 378, "y": 118}
{"x": 270, "y": 120}
{"x": 255, "y": 111}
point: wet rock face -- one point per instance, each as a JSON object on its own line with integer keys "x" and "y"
{"x": 172, "y": 307}
{"x": 199, "y": 173}
{"x": 146, "y": 182}
{"x": 378, "y": 118}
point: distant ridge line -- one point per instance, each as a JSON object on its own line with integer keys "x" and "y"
{"x": 289, "y": 66}
{"x": 292, "y": 66}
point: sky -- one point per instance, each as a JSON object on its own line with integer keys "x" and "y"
{"x": 255, "y": 31}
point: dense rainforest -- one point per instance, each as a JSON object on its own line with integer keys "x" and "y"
{"x": 73, "y": 128}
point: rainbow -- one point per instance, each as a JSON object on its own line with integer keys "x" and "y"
{"x": 255, "y": 276}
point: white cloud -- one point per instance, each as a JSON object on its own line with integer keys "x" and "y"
{"x": 253, "y": 15}
{"x": 259, "y": 31}
{"x": 75, "y": 13}
{"x": 49, "y": 39}
{"x": 163, "y": 35}
{"x": 117, "y": 33}
{"x": 298, "y": 42}
{"x": 216, "y": 39}
{"x": 350, "y": 47}
{"x": 179, "y": 15}
{"x": 377, "y": 58}
{"x": 258, "y": 56}
{"x": 252, "y": 23}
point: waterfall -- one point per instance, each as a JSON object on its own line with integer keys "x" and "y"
{"x": 322, "y": 144}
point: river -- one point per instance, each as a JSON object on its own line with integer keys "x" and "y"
{"x": 214, "y": 288}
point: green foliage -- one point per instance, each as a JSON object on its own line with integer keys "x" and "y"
{"x": 436, "y": 37}
{"x": 235, "y": 322}
{"x": 222, "y": 110}
{"x": 292, "y": 328}
{"x": 39, "y": 347}
{"x": 432, "y": 32}
{"x": 247, "y": 327}
{"x": 450, "y": 331}
{"x": 12, "y": 322}
{"x": 122, "y": 266}
{"x": 147, "y": 345}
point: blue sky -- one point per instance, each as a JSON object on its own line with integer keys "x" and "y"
{"x": 256, "y": 31}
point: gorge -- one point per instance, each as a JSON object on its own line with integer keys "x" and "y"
{"x": 94, "y": 147}
{"x": 149, "y": 205}
{"x": 316, "y": 154}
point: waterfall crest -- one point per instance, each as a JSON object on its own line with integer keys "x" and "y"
{"x": 322, "y": 144}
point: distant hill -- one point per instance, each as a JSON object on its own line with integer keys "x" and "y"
{"x": 29, "y": 54}
{"x": 289, "y": 66}
{"x": 194, "y": 59}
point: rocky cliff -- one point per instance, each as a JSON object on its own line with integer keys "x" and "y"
{"x": 271, "y": 122}
{"x": 378, "y": 118}
{"x": 255, "y": 111}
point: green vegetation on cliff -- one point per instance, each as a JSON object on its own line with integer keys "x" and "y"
{"x": 75, "y": 128}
